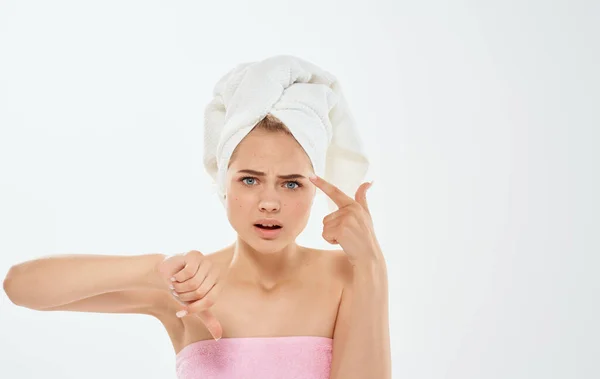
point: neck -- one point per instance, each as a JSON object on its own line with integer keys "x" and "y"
{"x": 265, "y": 269}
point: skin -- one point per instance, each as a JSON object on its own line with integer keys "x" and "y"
{"x": 274, "y": 287}
{"x": 249, "y": 197}
{"x": 257, "y": 280}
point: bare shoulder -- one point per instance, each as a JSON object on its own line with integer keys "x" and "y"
{"x": 335, "y": 264}
{"x": 342, "y": 267}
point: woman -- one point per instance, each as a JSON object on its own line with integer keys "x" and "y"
{"x": 281, "y": 309}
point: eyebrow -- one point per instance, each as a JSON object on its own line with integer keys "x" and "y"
{"x": 260, "y": 173}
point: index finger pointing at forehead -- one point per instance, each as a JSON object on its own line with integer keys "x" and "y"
{"x": 337, "y": 195}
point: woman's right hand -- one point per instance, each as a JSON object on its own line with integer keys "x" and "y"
{"x": 195, "y": 281}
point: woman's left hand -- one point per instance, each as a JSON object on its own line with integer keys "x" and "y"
{"x": 351, "y": 226}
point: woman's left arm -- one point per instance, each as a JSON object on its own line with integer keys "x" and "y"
{"x": 361, "y": 339}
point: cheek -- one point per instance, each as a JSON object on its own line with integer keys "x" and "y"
{"x": 238, "y": 212}
{"x": 237, "y": 202}
{"x": 298, "y": 206}
{"x": 238, "y": 206}
{"x": 237, "y": 198}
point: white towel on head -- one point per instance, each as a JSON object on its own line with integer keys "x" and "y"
{"x": 307, "y": 99}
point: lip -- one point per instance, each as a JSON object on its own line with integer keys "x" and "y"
{"x": 271, "y": 221}
{"x": 267, "y": 234}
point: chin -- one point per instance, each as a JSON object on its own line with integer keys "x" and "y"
{"x": 267, "y": 246}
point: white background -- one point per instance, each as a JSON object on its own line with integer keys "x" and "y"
{"x": 480, "y": 118}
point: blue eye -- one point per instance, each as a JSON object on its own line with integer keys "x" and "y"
{"x": 296, "y": 183}
{"x": 247, "y": 178}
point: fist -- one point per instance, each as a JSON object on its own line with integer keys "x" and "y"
{"x": 196, "y": 282}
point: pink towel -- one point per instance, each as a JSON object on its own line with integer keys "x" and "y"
{"x": 293, "y": 357}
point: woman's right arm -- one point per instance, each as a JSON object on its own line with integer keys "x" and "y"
{"x": 54, "y": 282}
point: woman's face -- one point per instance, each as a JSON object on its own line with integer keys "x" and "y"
{"x": 261, "y": 194}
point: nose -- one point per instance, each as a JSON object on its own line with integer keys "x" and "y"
{"x": 269, "y": 205}
{"x": 269, "y": 202}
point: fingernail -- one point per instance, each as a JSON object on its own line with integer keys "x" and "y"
{"x": 173, "y": 279}
{"x": 216, "y": 339}
{"x": 174, "y": 294}
{"x": 171, "y": 286}
{"x": 180, "y": 314}
{"x": 313, "y": 177}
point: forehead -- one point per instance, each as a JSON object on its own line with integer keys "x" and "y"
{"x": 265, "y": 151}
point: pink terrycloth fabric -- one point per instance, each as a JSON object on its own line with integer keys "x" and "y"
{"x": 293, "y": 357}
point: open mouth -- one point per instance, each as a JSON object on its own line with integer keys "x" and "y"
{"x": 267, "y": 227}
